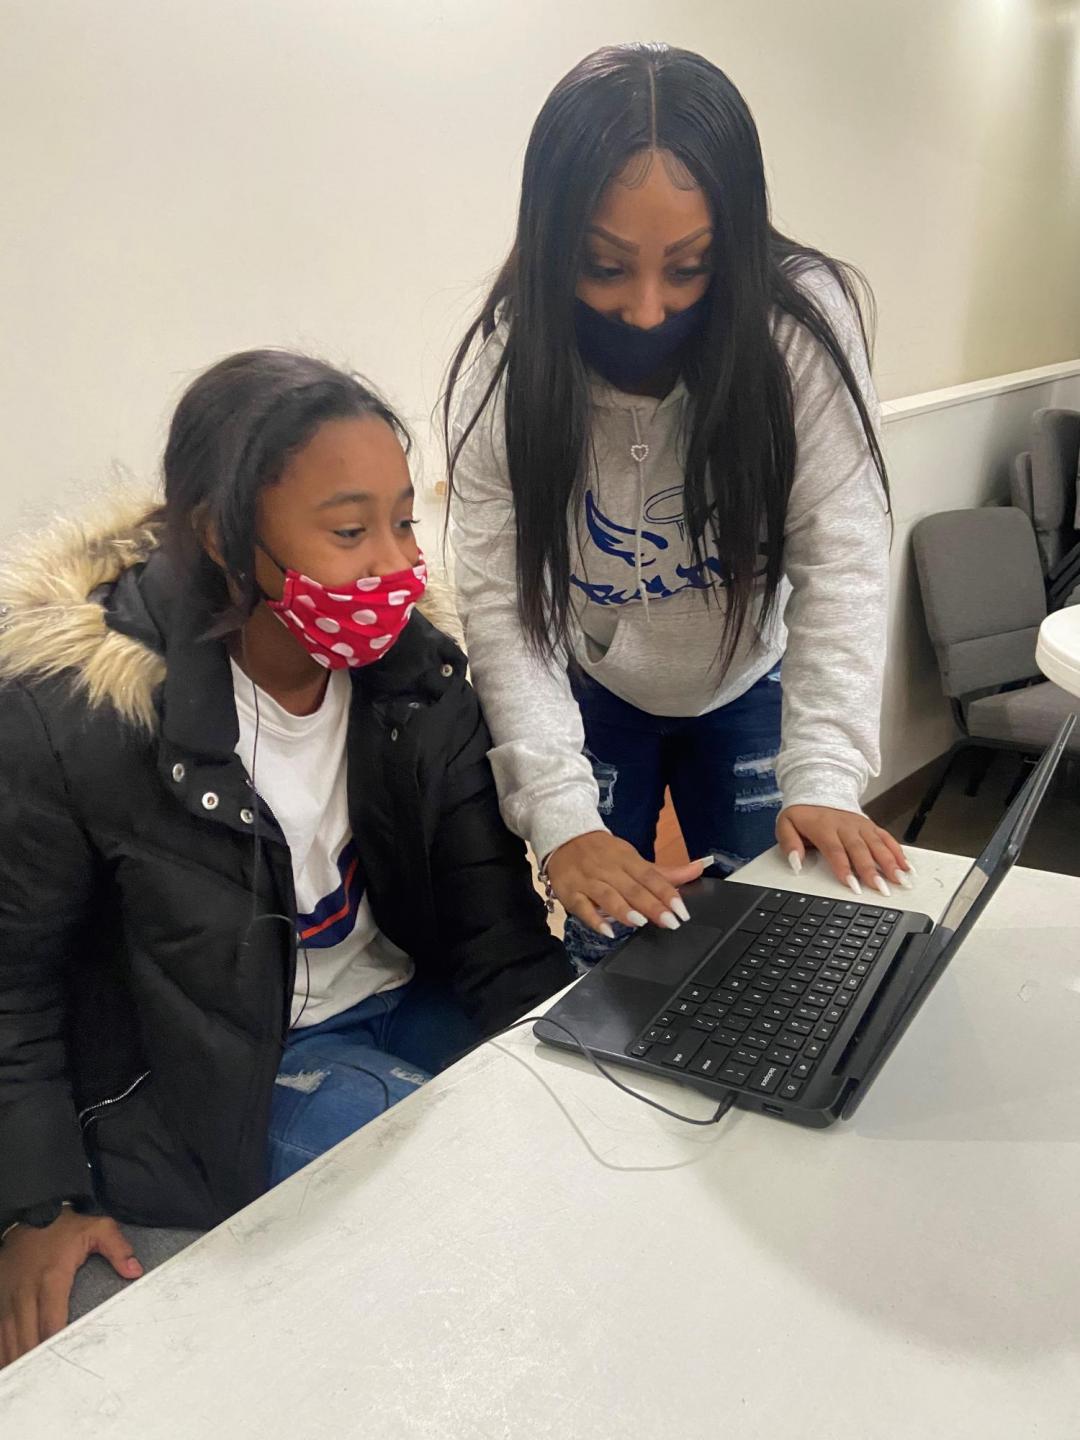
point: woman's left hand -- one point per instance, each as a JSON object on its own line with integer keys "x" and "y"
{"x": 859, "y": 852}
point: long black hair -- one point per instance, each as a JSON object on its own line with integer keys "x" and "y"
{"x": 741, "y": 445}
{"x": 231, "y": 436}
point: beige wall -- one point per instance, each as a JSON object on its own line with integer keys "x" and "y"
{"x": 186, "y": 177}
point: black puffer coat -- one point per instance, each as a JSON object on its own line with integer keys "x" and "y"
{"x": 142, "y": 1014}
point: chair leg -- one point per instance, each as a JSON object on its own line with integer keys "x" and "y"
{"x": 929, "y": 800}
{"x": 980, "y": 769}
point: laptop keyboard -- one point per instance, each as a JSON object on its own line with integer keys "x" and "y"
{"x": 760, "y": 1012}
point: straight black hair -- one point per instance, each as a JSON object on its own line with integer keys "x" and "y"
{"x": 231, "y": 436}
{"x": 618, "y": 103}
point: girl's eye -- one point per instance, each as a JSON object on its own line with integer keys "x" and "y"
{"x": 595, "y": 271}
{"x": 351, "y": 532}
{"x": 409, "y": 524}
{"x": 690, "y": 272}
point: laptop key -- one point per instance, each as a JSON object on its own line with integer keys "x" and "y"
{"x": 716, "y": 1011}
{"x": 767, "y": 1077}
{"x": 788, "y": 1040}
{"x": 844, "y": 998}
{"x": 640, "y": 1049}
{"x": 824, "y": 1031}
{"x": 780, "y": 1055}
{"x": 800, "y": 1027}
{"x": 817, "y": 952}
{"x": 812, "y": 1049}
{"x": 736, "y": 1022}
{"x": 725, "y": 1037}
{"x": 724, "y": 996}
{"x": 734, "y": 1074}
{"x": 668, "y": 1037}
{"x": 757, "y": 997}
{"x": 802, "y": 1069}
{"x": 774, "y": 1012}
{"x": 709, "y": 1061}
{"x": 694, "y": 993}
{"x": 820, "y": 1001}
{"x": 807, "y": 1012}
{"x": 756, "y": 921}
{"x": 798, "y": 904}
{"x": 793, "y": 987}
{"x": 773, "y": 900}
{"x": 653, "y": 1034}
{"x": 704, "y": 1022}
{"x": 821, "y": 907}
{"x": 766, "y": 1026}
{"x": 834, "y": 1015}
{"x": 755, "y": 1042}
{"x": 665, "y": 1019}
{"x": 846, "y": 911}
{"x": 679, "y": 1055}
{"x": 790, "y": 1089}
{"x": 803, "y": 975}
{"x": 743, "y": 1056}
{"x": 830, "y": 974}
{"x": 852, "y": 982}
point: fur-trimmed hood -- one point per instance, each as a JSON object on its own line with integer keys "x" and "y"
{"x": 53, "y": 621}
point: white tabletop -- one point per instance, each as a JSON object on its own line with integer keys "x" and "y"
{"x": 1057, "y": 652}
{"x": 521, "y": 1251}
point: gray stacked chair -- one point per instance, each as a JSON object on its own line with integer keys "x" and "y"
{"x": 1043, "y": 485}
{"x": 984, "y": 598}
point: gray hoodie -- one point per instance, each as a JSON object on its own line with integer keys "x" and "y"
{"x": 642, "y": 625}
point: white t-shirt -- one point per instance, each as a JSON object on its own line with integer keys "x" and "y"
{"x": 300, "y": 771}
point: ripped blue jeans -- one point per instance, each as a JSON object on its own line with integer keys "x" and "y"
{"x": 331, "y": 1077}
{"x": 719, "y": 768}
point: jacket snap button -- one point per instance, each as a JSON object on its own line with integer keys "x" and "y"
{"x": 210, "y": 801}
{"x": 178, "y": 773}
{"x": 393, "y": 734}
{"x": 446, "y": 671}
{"x": 247, "y": 817}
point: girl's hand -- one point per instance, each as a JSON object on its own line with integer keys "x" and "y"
{"x": 597, "y": 877}
{"x": 859, "y": 852}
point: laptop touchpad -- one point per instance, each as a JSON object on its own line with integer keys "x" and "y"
{"x": 664, "y": 955}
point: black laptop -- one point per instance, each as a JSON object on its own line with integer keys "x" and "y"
{"x": 791, "y": 1001}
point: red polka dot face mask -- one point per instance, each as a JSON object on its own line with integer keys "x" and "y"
{"x": 351, "y": 625}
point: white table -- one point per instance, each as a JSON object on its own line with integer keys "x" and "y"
{"x": 521, "y": 1251}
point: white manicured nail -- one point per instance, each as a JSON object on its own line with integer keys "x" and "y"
{"x": 853, "y": 885}
{"x": 911, "y": 870}
{"x": 607, "y": 932}
{"x": 794, "y": 859}
{"x": 705, "y": 862}
{"x": 881, "y": 885}
{"x": 668, "y": 921}
{"x": 679, "y": 906}
{"x": 904, "y": 880}
{"x": 635, "y": 917}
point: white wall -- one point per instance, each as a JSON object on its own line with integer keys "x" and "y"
{"x": 182, "y": 178}
{"x": 946, "y": 451}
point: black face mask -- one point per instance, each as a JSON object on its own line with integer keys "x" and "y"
{"x": 625, "y": 355}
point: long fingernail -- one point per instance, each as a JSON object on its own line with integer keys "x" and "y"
{"x": 679, "y": 906}
{"x": 668, "y": 921}
{"x": 904, "y": 880}
{"x": 635, "y": 917}
{"x": 881, "y": 885}
{"x": 911, "y": 870}
{"x": 706, "y": 861}
{"x": 794, "y": 859}
{"x": 606, "y": 930}
{"x": 853, "y": 885}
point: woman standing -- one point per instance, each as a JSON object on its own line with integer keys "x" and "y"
{"x": 665, "y": 479}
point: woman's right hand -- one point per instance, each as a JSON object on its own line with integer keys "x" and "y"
{"x": 597, "y": 875}
{"x": 37, "y": 1271}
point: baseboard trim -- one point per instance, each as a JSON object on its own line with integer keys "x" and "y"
{"x": 898, "y": 802}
